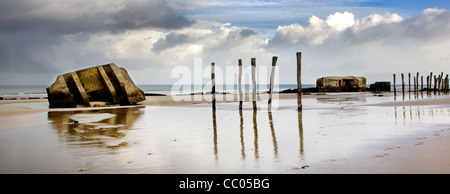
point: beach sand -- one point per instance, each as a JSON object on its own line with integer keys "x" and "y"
{"x": 335, "y": 133}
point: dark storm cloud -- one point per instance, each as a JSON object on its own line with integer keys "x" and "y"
{"x": 245, "y": 32}
{"x": 34, "y": 34}
{"x": 174, "y": 39}
{"x": 171, "y": 40}
{"x": 68, "y": 17}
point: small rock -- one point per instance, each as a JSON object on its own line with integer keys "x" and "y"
{"x": 82, "y": 170}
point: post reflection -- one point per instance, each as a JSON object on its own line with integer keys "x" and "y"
{"x": 274, "y": 138}
{"x": 255, "y": 131}
{"x": 216, "y": 155}
{"x": 300, "y": 131}
{"x": 412, "y": 114}
{"x": 98, "y": 128}
{"x": 255, "y": 136}
{"x": 241, "y": 126}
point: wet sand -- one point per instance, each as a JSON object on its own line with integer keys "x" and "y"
{"x": 335, "y": 133}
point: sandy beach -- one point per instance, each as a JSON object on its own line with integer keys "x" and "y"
{"x": 334, "y": 133}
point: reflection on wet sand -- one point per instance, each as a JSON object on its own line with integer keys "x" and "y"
{"x": 98, "y": 128}
{"x": 421, "y": 113}
{"x": 300, "y": 131}
{"x": 241, "y": 127}
{"x": 274, "y": 138}
{"x": 255, "y": 134}
{"x": 342, "y": 100}
{"x": 216, "y": 155}
{"x": 178, "y": 140}
{"x": 255, "y": 131}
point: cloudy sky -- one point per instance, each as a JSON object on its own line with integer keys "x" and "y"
{"x": 40, "y": 39}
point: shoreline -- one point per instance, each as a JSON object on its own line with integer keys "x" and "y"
{"x": 168, "y": 100}
{"x": 181, "y": 100}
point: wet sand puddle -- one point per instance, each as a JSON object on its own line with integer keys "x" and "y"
{"x": 194, "y": 139}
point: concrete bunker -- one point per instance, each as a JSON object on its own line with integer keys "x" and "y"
{"x": 341, "y": 84}
{"x": 107, "y": 84}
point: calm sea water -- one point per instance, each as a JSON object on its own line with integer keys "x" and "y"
{"x": 168, "y": 89}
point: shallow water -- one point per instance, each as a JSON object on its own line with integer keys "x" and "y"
{"x": 194, "y": 139}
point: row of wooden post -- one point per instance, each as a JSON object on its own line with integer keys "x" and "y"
{"x": 272, "y": 75}
{"x": 441, "y": 84}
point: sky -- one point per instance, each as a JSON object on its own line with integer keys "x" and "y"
{"x": 40, "y": 39}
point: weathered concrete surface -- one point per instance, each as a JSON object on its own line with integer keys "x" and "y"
{"x": 106, "y": 83}
{"x": 341, "y": 84}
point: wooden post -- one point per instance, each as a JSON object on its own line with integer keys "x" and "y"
{"x": 446, "y": 84}
{"x": 417, "y": 83}
{"x": 395, "y": 89}
{"x": 431, "y": 83}
{"x": 444, "y": 87}
{"x": 403, "y": 85}
{"x": 440, "y": 80}
{"x": 421, "y": 84}
{"x": 415, "y": 90}
{"x": 299, "y": 80}
{"x": 253, "y": 62}
{"x": 272, "y": 74}
{"x": 240, "y": 84}
{"x": 409, "y": 83}
{"x": 213, "y": 86}
{"x": 435, "y": 83}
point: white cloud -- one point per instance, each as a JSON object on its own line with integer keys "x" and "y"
{"x": 433, "y": 11}
{"x": 374, "y": 46}
{"x": 340, "y": 21}
{"x": 374, "y": 20}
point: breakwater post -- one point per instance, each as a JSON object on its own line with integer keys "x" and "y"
{"x": 395, "y": 90}
{"x": 253, "y": 62}
{"x": 435, "y": 84}
{"x": 446, "y": 84}
{"x": 431, "y": 82}
{"x": 299, "y": 80}
{"x": 421, "y": 85}
{"x": 272, "y": 74}
{"x": 240, "y": 84}
{"x": 213, "y": 86}
{"x": 403, "y": 85}
{"x": 409, "y": 83}
{"x": 417, "y": 84}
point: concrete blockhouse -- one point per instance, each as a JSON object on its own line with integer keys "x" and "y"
{"x": 341, "y": 84}
{"x": 105, "y": 83}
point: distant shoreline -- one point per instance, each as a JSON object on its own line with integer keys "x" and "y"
{"x": 154, "y": 99}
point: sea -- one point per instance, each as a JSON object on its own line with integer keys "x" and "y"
{"x": 39, "y": 91}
